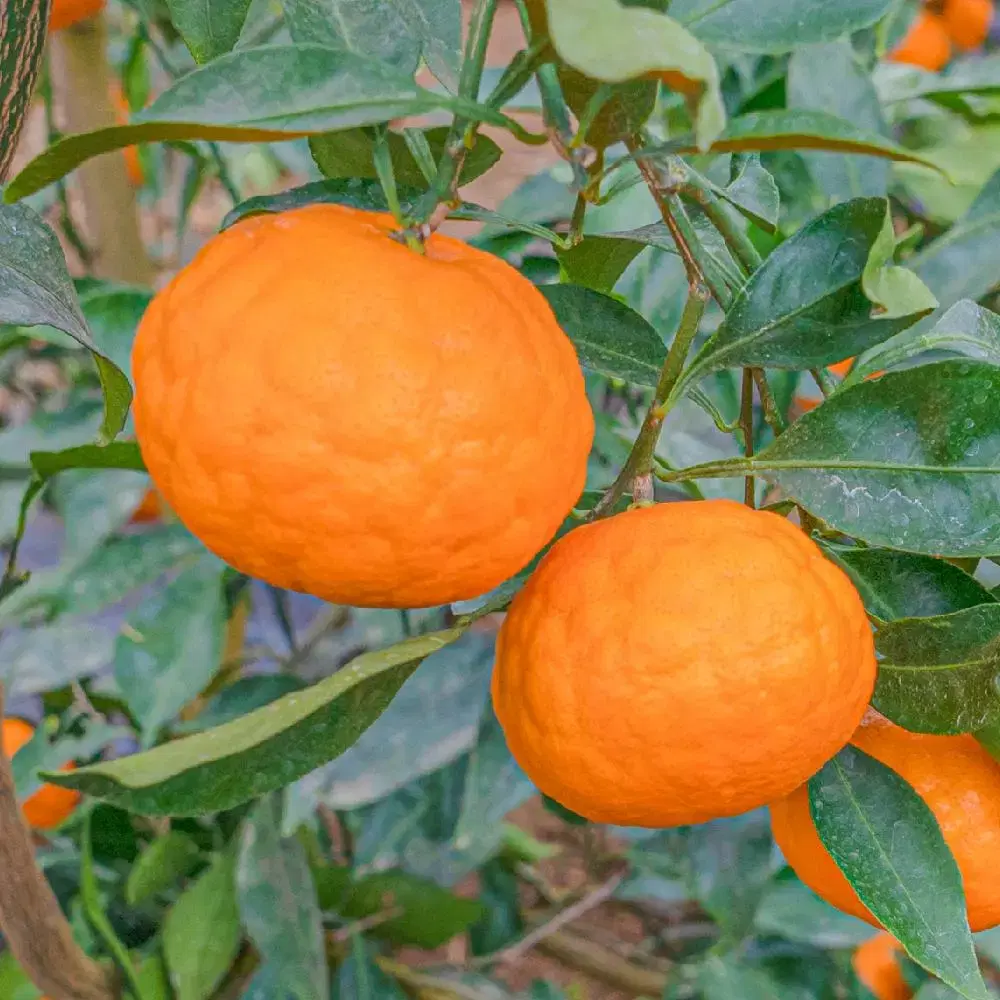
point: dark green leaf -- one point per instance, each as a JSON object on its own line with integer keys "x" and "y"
{"x": 360, "y": 978}
{"x": 887, "y": 843}
{"x": 807, "y": 304}
{"x": 501, "y": 922}
{"x": 430, "y": 917}
{"x": 349, "y": 154}
{"x": 244, "y": 695}
{"x": 394, "y": 32}
{"x": 940, "y": 675}
{"x": 829, "y": 77}
{"x": 597, "y": 262}
{"x": 775, "y": 25}
{"x": 905, "y": 585}
{"x": 613, "y": 44}
{"x": 202, "y": 933}
{"x": 210, "y": 28}
{"x": 277, "y": 901}
{"x": 609, "y": 337}
{"x": 792, "y": 911}
{"x": 113, "y": 315}
{"x": 263, "y": 750}
{"x": 165, "y": 861}
{"x": 957, "y": 265}
{"x": 117, "y": 455}
{"x": 753, "y": 190}
{"x": 35, "y": 289}
{"x": 910, "y": 461}
{"x": 264, "y": 94}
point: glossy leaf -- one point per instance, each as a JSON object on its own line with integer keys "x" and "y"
{"x": 612, "y": 43}
{"x": 957, "y": 265}
{"x": 117, "y": 455}
{"x": 430, "y": 916}
{"x": 940, "y": 675}
{"x": 35, "y": 289}
{"x": 202, "y": 933}
{"x": 277, "y": 901}
{"x": 210, "y": 28}
{"x": 810, "y": 303}
{"x": 263, "y": 750}
{"x": 774, "y": 25}
{"x": 753, "y": 190}
{"x": 394, "y": 32}
{"x": 263, "y": 94}
{"x": 242, "y": 696}
{"x": 905, "y": 585}
{"x": 349, "y": 154}
{"x": 829, "y": 77}
{"x": 170, "y": 649}
{"x": 910, "y": 461}
{"x": 609, "y": 337}
{"x": 887, "y": 843}
{"x": 166, "y": 860}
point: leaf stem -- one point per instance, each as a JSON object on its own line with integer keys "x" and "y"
{"x": 636, "y": 473}
{"x": 772, "y": 415}
{"x": 746, "y": 425}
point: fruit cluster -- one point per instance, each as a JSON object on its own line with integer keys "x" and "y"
{"x": 944, "y": 25}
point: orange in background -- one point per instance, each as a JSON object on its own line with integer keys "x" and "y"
{"x": 150, "y": 508}
{"x": 50, "y": 805}
{"x": 67, "y": 12}
{"x": 876, "y": 964}
{"x": 968, "y": 22}
{"x": 927, "y": 44}
{"x": 133, "y": 165}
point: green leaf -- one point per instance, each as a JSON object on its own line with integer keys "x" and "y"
{"x": 277, "y": 901}
{"x": 910, "y": 461}
{"x": 965, "y": 330}
{"x": 829, "y": 77}
{"x": 44, "y": 659}
{"x": 887, "y": 843}
{"x": 726, "y": 977}
{"x": 35, "y": 289}
{"x": 265, "y": 749}
{"x": 957, "y": 265}
{"x": 904, "y": 585}
{"x": 806, "y": 305}
{"x": 163, "y": 863}
{"x": 430, "y": 917}
{"x": 210, "y": 28}
{"x": 170, "y": 649}
{"x": 349, "y": 154}
{"x": 501, "y": 922}
{"x": 597, "y": 262}
{"x": 360, "y": 978}
{"x": 609, "y": 337}
{"x": 775, "y": 26}
{"x": 753, "y": 190}
{"x": 394, "y": 32}
{"x": 240, "y": 697}
{"x": 612, "y": 43}
{"x": 940, "y": 675}
{"x": 894, "y": 291}
{"x": 792, "y": 911}
{"x": 202, "y": 933}
{"x": 265, "y": 94}
{"x": 764, "y": 131}
{"x": 117, "y": 455}
{"x": 113, "y": 315}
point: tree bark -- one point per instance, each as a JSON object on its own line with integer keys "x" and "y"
{"x": 22, "y": 37}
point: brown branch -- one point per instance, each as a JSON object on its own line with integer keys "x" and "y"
{"x": 601, "y": 963}
{"x": 35, "y": 928}
{"x": 22, "y": 37}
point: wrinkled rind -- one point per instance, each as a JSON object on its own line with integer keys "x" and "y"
{"x": 959, "y": 781}
{"x": 333, "y": 413}
{"x": 681, "y": 662}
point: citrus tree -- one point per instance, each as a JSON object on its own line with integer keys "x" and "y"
{"x": 587, "y": 595}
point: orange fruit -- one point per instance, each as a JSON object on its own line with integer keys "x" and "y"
{"x": 50, "y": 805}
{"x": 959, "y": 781}
{"x": 333, "y": 412}
{"x": 681, "y": 662}
{"x": 876, "y": 964}
{"x": 968, "y": 22}
{"x": 841, "y": 368}
{"x": 150, "y": 508}
{"x": 67, "y": 12}
{"x": 927, "y": 43}
{"x": 133, "y": 165}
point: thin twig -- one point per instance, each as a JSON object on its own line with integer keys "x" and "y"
{"x": 373, "y": 920}
{"x": 746, "y": 425}
{"x": 772, "y": 415}
{"x": 327, "y": 621}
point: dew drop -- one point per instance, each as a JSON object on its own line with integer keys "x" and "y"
{"x": 968, "y": 423}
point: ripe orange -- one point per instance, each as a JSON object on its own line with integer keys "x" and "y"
{"x": 50, "y": 805}
{"x": 67, "y": 12}
{"x": 959, "y": 781}
{"x": 968, "y": 21}
{"x": 681, "y": 662}
{"x": 926, "y": 44}
{"x": 876, "y": 964}
{"x": 333, "y": 412}
{"x": 133, "y": 165}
